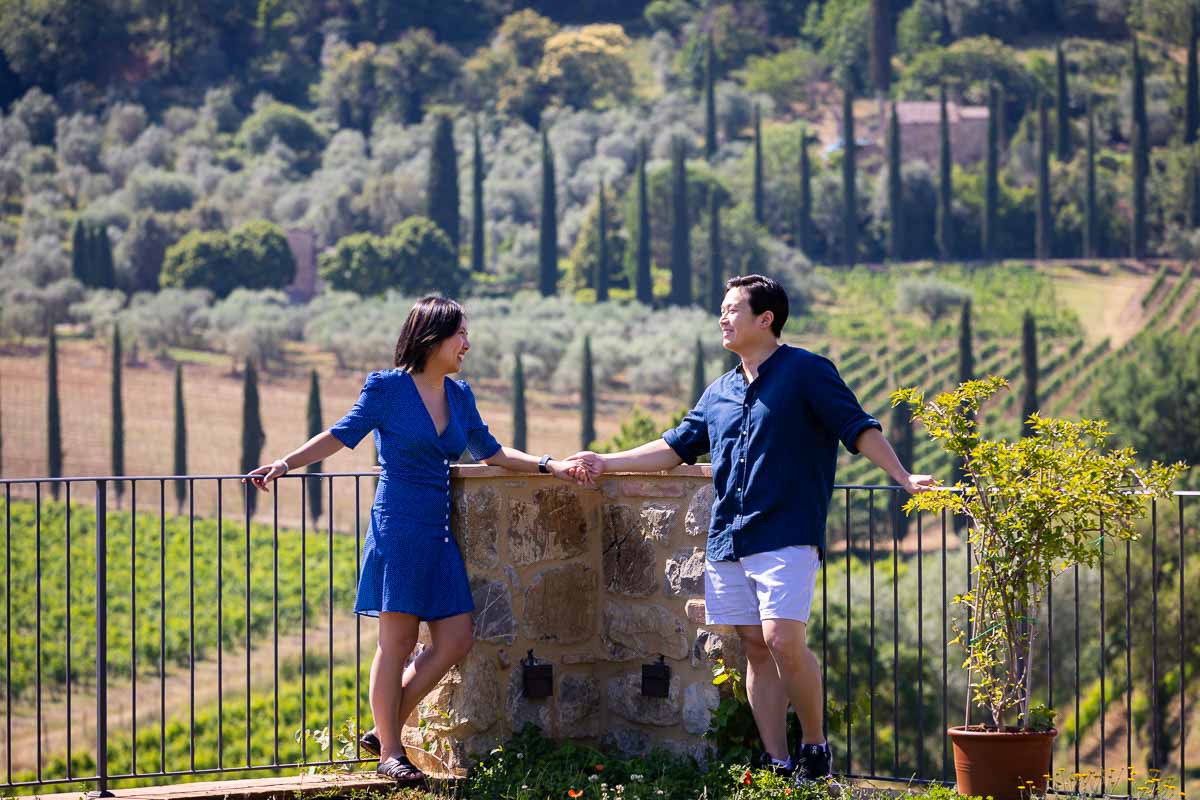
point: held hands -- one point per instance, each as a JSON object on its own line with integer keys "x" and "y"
{"x": 264, "y": 475}
{"x": 580, "y": 469}
{"x": 585, "y": 466}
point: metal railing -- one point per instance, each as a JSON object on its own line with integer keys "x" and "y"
{"x": 243, "y": 662}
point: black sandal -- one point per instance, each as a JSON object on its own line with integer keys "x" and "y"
{"x": 401, "y": 770}
{"x": 369, "y": 742}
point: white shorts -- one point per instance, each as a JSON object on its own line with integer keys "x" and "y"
{"x": 777, "y": 584}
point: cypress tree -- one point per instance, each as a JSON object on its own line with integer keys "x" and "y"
{"x": 520, "y": 425}
{"x": 966, "y": 352}
{"x": 849, "y": 172}
{"x": 1090, "y": 217}
{"x": 1029, "y": 366}
{"x": 716, "y": 263}
{"x": 1139, "y": 150}
{"x": 945, "y": 196}
{"x": 895, "y": 243}
{"x": 477, "y": 218}
{"x": 902, "y": 443}
{"x": 54, "y": 447}
{"x": 1192, "y": 115}
{"x": 710, "y": 100}
{"x": 991, "y": 192}
{"x": 313, "y": 412}
{"x": 804, "y": 227}
{"x": 966, "y": 372}
{"x": 698, "y": 382}
{"x": 881, "y": 46}
{"x": 80, "y": 262}
{"x": 253, "y": 436}
{"x": 180, "y": 468}
{"x": 1045, "y": 225}
{"x": 117, "y": 440}
{"x": 442, "y": 192}
{"x": 760, "y": 200}
{"x": 1193, "y": 190}
{"x": 1062, "y": 110}
{"x": 105, "y": 273}
{"x": 587, "y": 398}
{"x": 681, "y": 266}
{"x": 548, "y": 230}
{"x": 643, "y": 284}
{"x": 600, "y": 280}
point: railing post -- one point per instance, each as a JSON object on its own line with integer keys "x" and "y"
{"x": 101, "y": 642}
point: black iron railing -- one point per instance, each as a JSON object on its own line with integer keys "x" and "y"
{"x": 223, "y": 641}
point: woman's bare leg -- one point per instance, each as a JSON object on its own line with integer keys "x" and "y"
{"x": 450, "y": 641}
{"x": 397, "y": 638}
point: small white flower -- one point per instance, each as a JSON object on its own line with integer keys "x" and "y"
{"x": 660, "y": 792}
{"x": 593, "y": 778}
{"x": 520, "y": 755}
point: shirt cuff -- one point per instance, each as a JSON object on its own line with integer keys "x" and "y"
{"x": 675, "y": 442}
{"x": 852, "y": 431}
{"x": 345, "y": 436}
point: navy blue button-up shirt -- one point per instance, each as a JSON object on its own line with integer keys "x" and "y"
{"x": 774, "y": 450}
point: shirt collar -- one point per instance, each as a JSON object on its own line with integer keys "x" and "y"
{"x": 763, "y": 368}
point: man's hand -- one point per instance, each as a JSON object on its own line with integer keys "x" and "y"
{"x": 919, "y": 483}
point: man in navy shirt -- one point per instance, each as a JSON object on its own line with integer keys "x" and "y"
{"x": 772, "y": 426}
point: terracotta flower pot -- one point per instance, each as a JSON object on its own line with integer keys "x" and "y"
{"x": 1001, "y": 763}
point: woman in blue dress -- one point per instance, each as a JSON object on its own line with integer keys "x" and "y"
{"x": 412, "y": 570}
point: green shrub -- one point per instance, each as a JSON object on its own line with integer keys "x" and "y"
{"x": 291, "y": 126}
{"x": 252, "y": 256}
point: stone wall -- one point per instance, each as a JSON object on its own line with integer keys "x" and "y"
{"x": 595, "y": 582}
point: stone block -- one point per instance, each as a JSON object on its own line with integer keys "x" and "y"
{"x": 623, "y": 696}
{"x": 657, "y": 519}
{"x": 578, "y": 706}
{"x": 643, "y": 631}
{"x": 629, "y": 560}
{"x": 626, "y": 741}
{"x": 699, "y": 513}
{"x": 561, "y": 605}
{"x": 684, "y": 573}
{"x": 653, "y": 487}
{"x": 522, "y": 711}
{"x": 712, "y": 645}
{"x": 475, "y": 518}
{"x": 551, "y": 527}
{"x": 688, "y": 748}
{"x": 699, "y": 700}
{"x": 493, "y": 616}
{"x": 695, "y": 610}
{"x": 465, "y": 701}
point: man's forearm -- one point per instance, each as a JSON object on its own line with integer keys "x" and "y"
{"x": 875, "y": 446}
{"x": 654, "y": 456}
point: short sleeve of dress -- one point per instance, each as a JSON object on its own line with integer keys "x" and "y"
{"x": 480, "y": 441}
{"x": 366, "y": 415}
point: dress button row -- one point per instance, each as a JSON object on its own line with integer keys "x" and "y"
{"x": 447, "y": 539}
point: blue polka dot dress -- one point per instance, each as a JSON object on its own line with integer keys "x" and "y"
{"x": 410, "y": 559}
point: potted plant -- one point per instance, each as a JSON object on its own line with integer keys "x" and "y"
{"x": 1035, "y": 508}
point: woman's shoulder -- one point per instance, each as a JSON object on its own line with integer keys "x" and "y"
{"x": 460, "y": 388}
{"x": 386, "y": 378}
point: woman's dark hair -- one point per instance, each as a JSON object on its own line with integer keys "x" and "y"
{"x": 431, "y": 321}
{"x": 765, "y": 295}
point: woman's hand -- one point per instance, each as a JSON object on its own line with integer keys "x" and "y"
{"x": 264, "y": 475}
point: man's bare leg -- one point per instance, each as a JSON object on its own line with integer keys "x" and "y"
{"x": 766, "y": 691}
{"x": 799, "y": 673}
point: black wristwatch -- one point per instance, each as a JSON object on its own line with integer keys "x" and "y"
{"x": 542, "y": 462}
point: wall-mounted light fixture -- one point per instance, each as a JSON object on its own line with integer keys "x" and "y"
{"x": 537, "y": 680}
{"x": 656, "y": 679}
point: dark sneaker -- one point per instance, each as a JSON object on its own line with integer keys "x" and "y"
{"x": 784, "y": 768}
{"x": 814, "y": 763}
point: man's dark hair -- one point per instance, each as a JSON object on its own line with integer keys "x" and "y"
{"x": 765, "y": 295}
{"x": 431, "y": 321}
